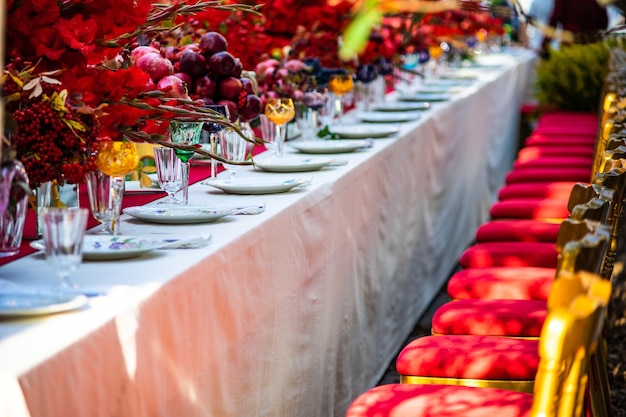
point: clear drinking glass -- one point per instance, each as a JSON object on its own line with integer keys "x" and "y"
{"x": 280, "y": 111}
{"x": 340, "y": 85}
{"x": 268, "y": 133}
{"x": 63, "y": 230}
{"x": 234, "y": 148}
{"x": 116, "y": 159}
{"x": 102, "y": 201}
{"x": 315, "y": 100}
{"x": 213, "y": 129}
{"x": 185, "y": 133}
{"x": 169, "y": 173}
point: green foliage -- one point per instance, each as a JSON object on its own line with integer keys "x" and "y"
{"x": 572, "y": 77}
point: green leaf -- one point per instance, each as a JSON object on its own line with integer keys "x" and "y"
{"x": 357, "y": 33}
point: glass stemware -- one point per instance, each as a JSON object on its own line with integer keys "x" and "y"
{"x": 213, "y": 129}
{"x": 186, "y": 133}
{"x": 63, "y": 230}
{"x": 169, "y": 173}
{"x": 315, "y": 100}
{"x": 101, "y": 202}
{"x": 116, "y": 159}
{"x": 340, "y": 85}
{"x": 234, "y": 148}
{"x": 280, "y": 111}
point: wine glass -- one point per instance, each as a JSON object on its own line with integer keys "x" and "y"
{"x": 234, "y": 148}
{"x": 340, "y": 85}
{"x": 116, "y": 159}
{"x": 213, "y": 129}
{"x": 314, "y": 100}
{"x": 101, "y": 202}
{"x": 365, "y": 75}
{"x": 185, "y": 133}
{"x": 169, "y": 173}
{"x": 63, "y": 230}
{"x": 280, "y": 111}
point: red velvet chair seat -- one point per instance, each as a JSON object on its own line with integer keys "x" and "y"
{"x": 517, "y": 230}
{"x": 513, "y": 254}
{"x": 536, "y": 139}
{"x": 555, "y": 161}
{"x": 470, "y": 357}
{"x": 564, "y": 116}
{"x": 530, "y": 208}
{"x": 502, "y": 283}
{"x": 511, "y": 318}
{"x": 556, "y": 190}
{"x": 566, "y": 129}
{"x": 405, "y": 400}
{"x": 550, "y": 174}
{"x": 532, "y": 152}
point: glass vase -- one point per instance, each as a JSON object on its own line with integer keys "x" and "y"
{"x": 13, "y": 219}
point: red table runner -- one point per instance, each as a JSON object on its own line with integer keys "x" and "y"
{"x": 197, "y": 173}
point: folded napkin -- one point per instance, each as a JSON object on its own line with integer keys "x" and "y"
{"x": 188, "y": 243}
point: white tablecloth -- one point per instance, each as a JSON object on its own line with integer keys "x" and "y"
{"x": 293, "y": 312}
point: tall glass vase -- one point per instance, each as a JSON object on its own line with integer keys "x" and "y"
{"x": 13, "y": 218}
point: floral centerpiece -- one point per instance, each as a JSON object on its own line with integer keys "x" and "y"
{"x": 70, "y": 61}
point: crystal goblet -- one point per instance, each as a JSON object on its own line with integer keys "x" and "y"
{"x": 280, "y": 111}
{"x": 315, "y": 100}
{"x": 185, "y": 133}
{"x": 234, "y": 148}
{"x": 213, "y": 129}
{"x": 116, "y": 159}
{"x": 340, "y": 85}
{"x": 101, "y": 201}
{"x": 63, "y": 230}
{"x": 169, "y": 173}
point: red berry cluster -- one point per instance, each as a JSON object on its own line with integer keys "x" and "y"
{"x": 46, "y": 144}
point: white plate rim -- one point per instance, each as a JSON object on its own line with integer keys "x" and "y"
{"x": 67, "y": 302}
{"x": 187, "y": 215}
{"x": 108, "y": 254}
{"x": 400, "y": 106}
{"x": 428, "y": 97}
{"x": 269, "y": 185}
{"x": 388, "y": 117}
{"x": 364, "y": 131}
{"x": 329, "y": 146}
{"x": 306, "y": 163}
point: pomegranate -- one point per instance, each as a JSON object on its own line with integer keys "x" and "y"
{"x": 251, "y": 108}
{"x": 155, "y": 66}
{"x": 229, "y": 88}
{"x": 213, "y": 42}
{"x": 205, "y": 87}
{"x": 140, "y": 51}
{"x": 222, "y": 64}
{"x": 192, "y": 63}
{"x": 173, "y": 86}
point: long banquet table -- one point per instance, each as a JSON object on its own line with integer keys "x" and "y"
{"x": 292, "y": 312}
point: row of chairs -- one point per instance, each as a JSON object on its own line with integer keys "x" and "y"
{"x": 523, "y": 332}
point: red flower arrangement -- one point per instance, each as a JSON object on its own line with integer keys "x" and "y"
{"x": 69, "y": 82}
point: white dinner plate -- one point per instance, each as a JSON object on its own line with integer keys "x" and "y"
{"x": 255, "y": 185}
{"x": 402, "y": 106}
{"x": 291, "y": 163}
{"x": 424, "y": 97}
{"x": 37, "y": 304}
{"x": 364, "y": 131}
{"x": 330, "y": 146}
{"x": 387, "y": 117}
{"x": 105, "y": 247}
{"x": 167, "y": 214}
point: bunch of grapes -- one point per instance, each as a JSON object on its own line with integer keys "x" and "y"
{"x": 53, "y": 143}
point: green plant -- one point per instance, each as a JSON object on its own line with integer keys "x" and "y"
{"x": 572, "y": 77}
